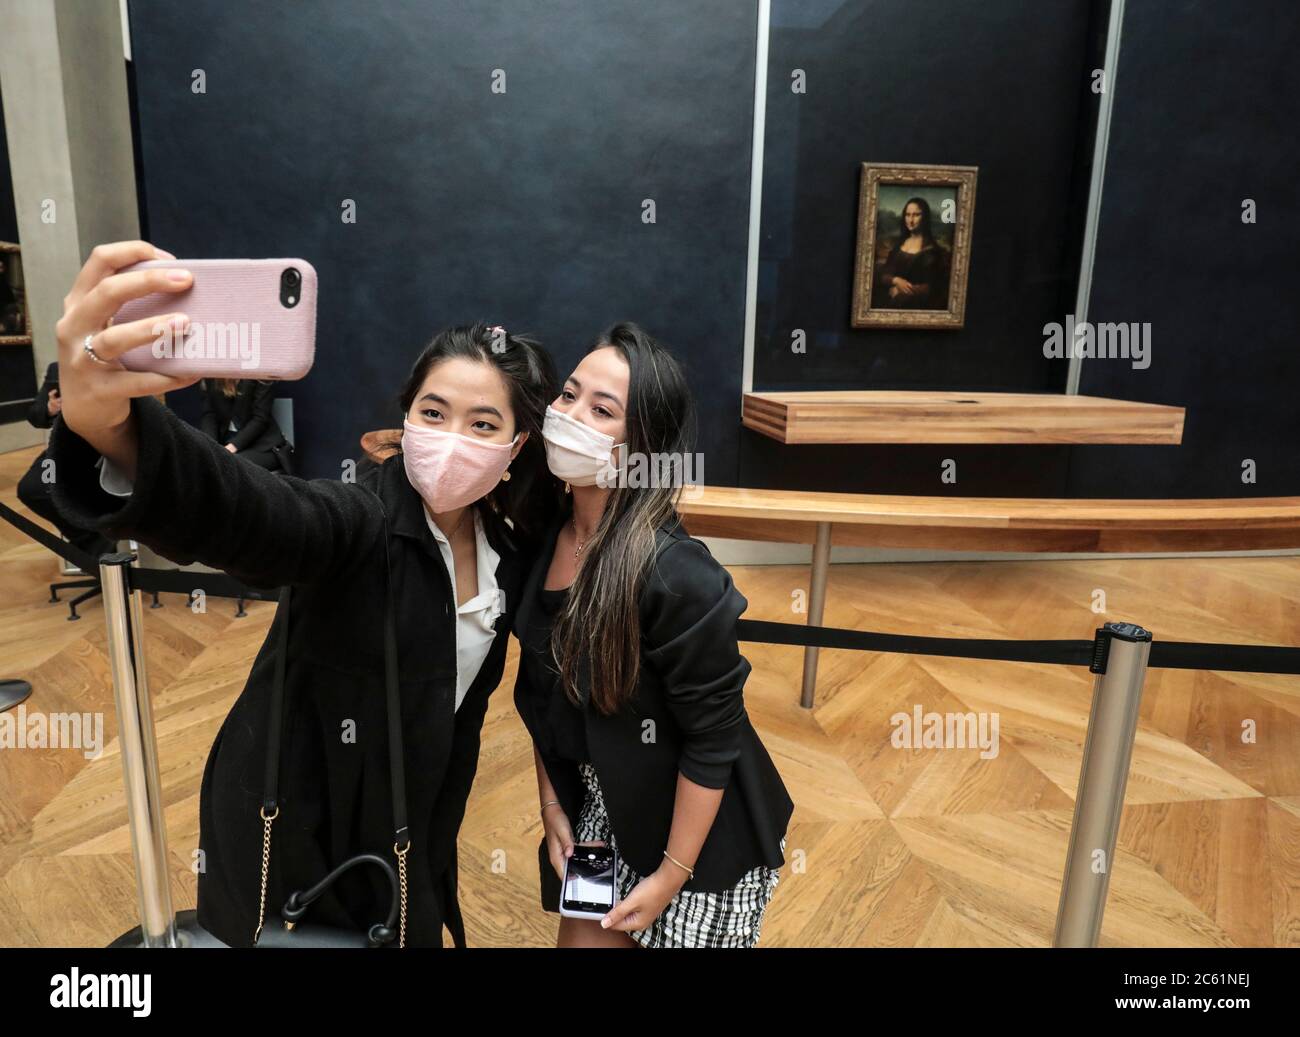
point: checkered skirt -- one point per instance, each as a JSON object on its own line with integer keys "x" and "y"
{"x": 731, "y": 918}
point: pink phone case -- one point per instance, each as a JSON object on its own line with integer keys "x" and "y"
{"x": 240, "y": 325}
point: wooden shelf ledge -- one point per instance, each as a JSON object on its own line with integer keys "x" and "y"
{"x": 906, "y": 416}
{"x": 996, "y": 523}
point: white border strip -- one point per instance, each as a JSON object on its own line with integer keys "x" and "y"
{"x": 756, "y": 190}
{"x": 1084, "y": 290}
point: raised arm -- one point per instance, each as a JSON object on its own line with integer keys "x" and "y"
{"x": 193, "y": 500}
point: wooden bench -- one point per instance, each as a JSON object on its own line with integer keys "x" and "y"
{"x": 982, "y": 524}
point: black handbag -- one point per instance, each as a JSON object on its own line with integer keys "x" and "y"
{"x": 290, "y": 931}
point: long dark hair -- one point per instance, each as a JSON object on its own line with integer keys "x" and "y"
{"x": 531, "y": 496}
{"x": 601, "y": 619}
{"x": 927, "y": 235}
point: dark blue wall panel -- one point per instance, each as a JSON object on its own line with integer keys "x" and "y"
{"x": 521, "y": 208}
{"x": 1002, "y": 85}
{"x": 1206, "y": 110}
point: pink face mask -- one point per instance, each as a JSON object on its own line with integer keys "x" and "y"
{"x": 450, "y": 470}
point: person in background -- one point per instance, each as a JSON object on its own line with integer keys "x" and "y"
{"x": 237, "y": 414}
{"x": 35, "y": 488}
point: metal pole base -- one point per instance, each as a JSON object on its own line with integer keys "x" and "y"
{"x": 13, "y": 692}
{"x": 188, "y": 934}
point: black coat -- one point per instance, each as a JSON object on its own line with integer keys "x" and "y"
{"x": 193, "y": 500}
{"x": 38, "y": 413}
{"x": 249, "y": 408}
{"x": 691, "y": 686}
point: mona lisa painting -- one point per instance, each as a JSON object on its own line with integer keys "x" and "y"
{"x": 913, "y": 257}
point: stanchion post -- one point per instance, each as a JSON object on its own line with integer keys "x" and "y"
{"x": 1120, "y": 662}
{"x": 139, "y": 747}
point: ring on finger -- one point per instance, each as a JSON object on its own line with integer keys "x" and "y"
{"x": 85, "y": 344}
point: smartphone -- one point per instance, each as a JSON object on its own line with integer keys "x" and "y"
{"x": 590, "y": 888}
{"x": 249, "y": 318}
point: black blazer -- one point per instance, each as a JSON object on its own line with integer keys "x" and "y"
{"x": 194, "y": 501}
{"x": 250, "y": 408}
{"x": 687, "y": 715}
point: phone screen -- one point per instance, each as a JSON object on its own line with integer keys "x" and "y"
{"x": 589, "y": 879}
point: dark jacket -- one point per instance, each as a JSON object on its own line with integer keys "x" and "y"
{"x": 193, "y": 500}
{"x": 38, "y": 413}
{"x": 250, "y": 408}
{"x": 691, "y": 686}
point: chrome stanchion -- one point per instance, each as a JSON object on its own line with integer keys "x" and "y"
{"x": 1121, "y": 665}
{"x": 135, "y": 732}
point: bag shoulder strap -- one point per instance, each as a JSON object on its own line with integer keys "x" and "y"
{"x": 396, "y": 754}
{"x": 270, "y": 799}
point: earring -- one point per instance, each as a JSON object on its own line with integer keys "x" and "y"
{"x": 566, "y": 488}
{"x": 505, "y": 476}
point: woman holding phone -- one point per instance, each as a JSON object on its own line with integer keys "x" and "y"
{"x": 438, "y": 538}
{"x": 630, "y": 678}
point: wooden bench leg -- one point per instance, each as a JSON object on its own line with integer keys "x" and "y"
{"x": 821, "y": 560}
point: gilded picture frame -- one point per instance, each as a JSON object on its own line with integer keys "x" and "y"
{"x": 914, "y": 245}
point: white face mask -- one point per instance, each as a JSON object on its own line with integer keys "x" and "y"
{"x": 577, "y": 453}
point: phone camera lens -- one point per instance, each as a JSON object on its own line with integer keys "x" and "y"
{"x": 291, "y": 277}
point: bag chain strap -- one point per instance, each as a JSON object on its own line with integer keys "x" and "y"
{"x": 401, "y": 870}
{"x": 266, "y": 866}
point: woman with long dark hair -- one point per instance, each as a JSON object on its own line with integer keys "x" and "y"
{"x": 630, "y": 678}
{"x": 915, "y": 274}
{"x": 398, "y": 593}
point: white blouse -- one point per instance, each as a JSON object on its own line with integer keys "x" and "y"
{"x": 474, "y": 619}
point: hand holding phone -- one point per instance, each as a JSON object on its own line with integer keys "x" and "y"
{"x": 590, "y": 887}
{"x": 248, "y": 318}
{"x": 95, "y": 388}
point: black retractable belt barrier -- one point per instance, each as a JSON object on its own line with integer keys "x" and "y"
{"x": 1180, "y": 655}
{"x": 81, "y": 559}
{"x": 1066, "y": 653}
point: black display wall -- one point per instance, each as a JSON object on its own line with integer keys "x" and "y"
{"x": 523, "y": 208}
{"x": 1206, "y": 103}
{"x": 1002, "y": 85}
{"x": 1206, "y": 110}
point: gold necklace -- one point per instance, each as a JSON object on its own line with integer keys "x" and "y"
{"x": 576, "y": 539}
{"x": 456, "y": 528}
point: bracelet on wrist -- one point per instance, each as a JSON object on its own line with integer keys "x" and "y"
{"x": 690, "y": 872}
